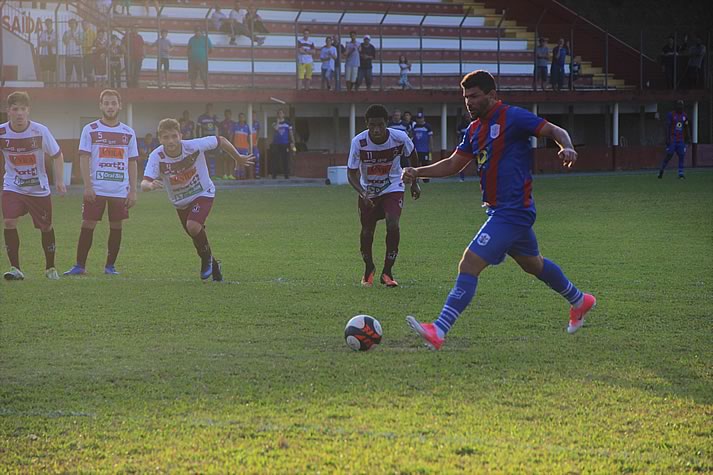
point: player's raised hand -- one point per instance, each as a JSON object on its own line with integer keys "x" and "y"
{"x": 568, "y": 157}
{"x": 245, "y": 160}
{"x": 409, "y": 175}
{"x": 89, "y": 194}
{"x": 415, "y": 190}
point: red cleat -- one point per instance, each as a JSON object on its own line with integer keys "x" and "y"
{"x": 388, "y": 281}
{"x": 368, "y": 281}
{"x": 427, "y": 331}
{"x": 576, "y": 315}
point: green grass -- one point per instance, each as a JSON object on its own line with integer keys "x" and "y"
{"x": 156, "y": 371}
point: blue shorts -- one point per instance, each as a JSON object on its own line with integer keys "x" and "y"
{"x": 498, "y": 237}
{"x": 678, "y": 147}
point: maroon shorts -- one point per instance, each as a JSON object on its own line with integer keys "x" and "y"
{"x": 198, "y": 210}
{"x": 95, "y": 211}
{"x": 15, "y": 205}
{"x": 389, "y": 204}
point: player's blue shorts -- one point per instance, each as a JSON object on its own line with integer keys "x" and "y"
{"x": 498, "y": 237}
{"x": 679, "y": 148}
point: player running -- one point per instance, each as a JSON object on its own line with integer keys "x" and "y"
{"x": 374, "y": 171}
{"x": 107, "y": 156}
{"x": 26, "y": 189}
{"x": 180, "y": 166}
{"x": 498, "y": 140}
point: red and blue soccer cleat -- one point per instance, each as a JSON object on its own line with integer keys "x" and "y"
{"x": 576, "y": 315}
{"x": 427, "y": 331}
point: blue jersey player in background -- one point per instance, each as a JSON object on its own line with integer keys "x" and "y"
{"x": 498, "y": 140}
{"x": 677, "y": 131}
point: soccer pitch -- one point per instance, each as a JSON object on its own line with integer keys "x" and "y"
{"x": 156, "y": 371}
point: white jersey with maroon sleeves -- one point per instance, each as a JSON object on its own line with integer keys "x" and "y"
{"x": 111, "y": 149}
{"x": 380, "y": 164}
{"x": 185, "y": 177}
{"x": 24, "y": 153}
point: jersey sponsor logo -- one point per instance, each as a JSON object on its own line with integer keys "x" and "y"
{"x": 362, "y": 142}
{"x": 381, "y": 156}
{"x": 102, "y": 137}
{"x": 23, "y": 160}
{"x": 494, "y": 131}
{"x": 26, "y": 144}
{"x": 173, "y": 168}
{"x": 111, "y": 152}
{"x": 483, "y": 239}
{"x": 378, "y": 170}
{"x": 26, "y": 172}
{"x": 109, "y": 176}
{"x": 121, "y": 166}
{"x": 482, "y": 158}
{"x": 182, "y": 177}
{"x": 22, "y": 182}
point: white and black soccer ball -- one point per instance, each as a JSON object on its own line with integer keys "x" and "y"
{"x": 362, "y": 333}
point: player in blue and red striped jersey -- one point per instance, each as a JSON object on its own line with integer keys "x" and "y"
{"x": 498, "y": 140}
{"x": 677, "y": 133}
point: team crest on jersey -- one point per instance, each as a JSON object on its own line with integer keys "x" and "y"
{"x": 2, "y": 131}
{"x": 362, "y": 142}
{"x": 494, "y": 131}
{"x": 94, "y": 125}
{"x": 679, "y": 125}
{"x": 483, "y": 239}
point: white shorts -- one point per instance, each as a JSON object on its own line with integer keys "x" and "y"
{"x": 350, "y": 73}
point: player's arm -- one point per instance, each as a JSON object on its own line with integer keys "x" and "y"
{"x": 133, "y": 172}
{"x": 58, "y": 168}
{"x": 227, "y": 147}
{"x": 84, "y": 166}
{"x": 292, "y": 140}
{"x": 561, "y": 137}
{"x": 415, "y": 188}
{"x": 354, "y": 176}
{"x": 446, "y": 167}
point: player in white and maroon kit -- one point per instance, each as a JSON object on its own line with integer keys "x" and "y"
{"x": 180, "y": 167}
{"x": 26, "y": 188}
{"x": 108, "y": 155}
{"x": 374, "y": 171}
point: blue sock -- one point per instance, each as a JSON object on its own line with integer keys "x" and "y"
{"x": 458, "y": 299}
{"x": 553, "y": 276}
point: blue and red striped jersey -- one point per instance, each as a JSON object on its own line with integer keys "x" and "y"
{"x": 676, "y": 123}
{"x": 500, "y": 145}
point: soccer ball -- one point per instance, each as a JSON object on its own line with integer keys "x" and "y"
{"x": 362, "y": 333}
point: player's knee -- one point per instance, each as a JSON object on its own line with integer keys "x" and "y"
{"x": 392, "y": 224}
{"x": 46, "y": 229}
{"x": 194, "y": 228}
{"x": 367, "y": 231}
{"x": 10, "y": 223}
{"x": 89, "y": 224}
{"x": 115, "y": 224}
{"x": 531, "y": 264}
{"x": 471, "y": 264}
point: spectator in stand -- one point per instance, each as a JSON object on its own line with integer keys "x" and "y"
{"x": 255, "y": 131}
{"x": 207, "y": 125}
{"x": 100, "y": 52}
{"x": 423, "y": 141}
{"x": 255, "y": 24}
{"x": 305, "y": 61}
{"x": 404, "y": 68}
{"x": 133, "y": 44}
{"x": 351, "y": 63}
{"x": 328, "y": 55}
{"x": 116, "y": 54}
{"x": 408, "y": 121}
{"x": 104, "y": 7}
{"x": 694, "y": 71}
{"x": 241, "y": 141}
{"x": 47, "y": 42}
{"x": 89, "y": 36}
{"x": 199, "y": 48}
{"x": 239, "y": 25}
{"x": 283, "y": 142}
{"x": 226, "y": 128}
{"x": 188, "y": 127}
{"x": 163, "y": 47}
{"x": 146, "y": 146}
{"x": 559, "y": 57}
{"x": 543, "y": 59}
{"x": 668, "y": 53}
{"x": 461, "y": 130}
{"x": 367, "y": 53}
{"x": 125, "y": 6}
{"x": 221, "y": 22}
{"x": 155, "y": 4}
{"x": 72, "y": 40}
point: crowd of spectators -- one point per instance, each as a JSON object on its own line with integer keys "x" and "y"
{"x": 683, "y": 62}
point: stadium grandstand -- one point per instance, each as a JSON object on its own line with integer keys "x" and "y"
{"x": 612, "y": 97}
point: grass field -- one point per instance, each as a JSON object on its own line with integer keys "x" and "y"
{"x": 155, "y": 371}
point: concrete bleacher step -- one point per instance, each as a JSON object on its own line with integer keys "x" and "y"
{"x": 22, "y": 84}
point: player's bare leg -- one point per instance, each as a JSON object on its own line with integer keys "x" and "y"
{"x": 393, "y": 236}
{"x": 366, "y": 240}
{"x": 200, "y": 240}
